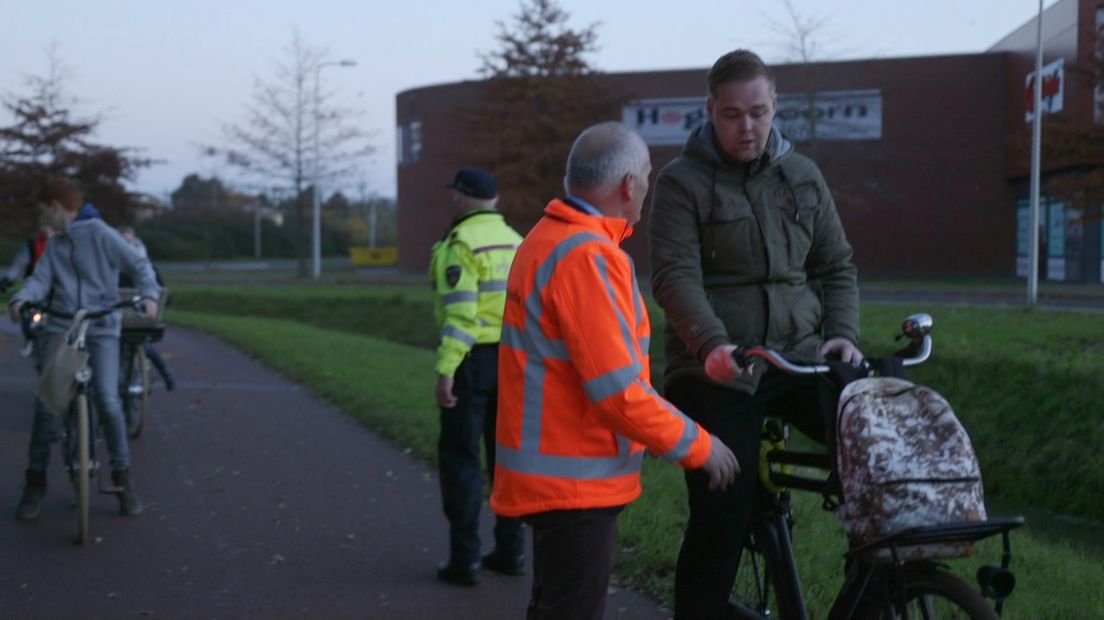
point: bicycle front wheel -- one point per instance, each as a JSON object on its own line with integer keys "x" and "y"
{"x": 136, "y": 392}
{"x": 751, "y": 593}
{"x": 83, "y": 467}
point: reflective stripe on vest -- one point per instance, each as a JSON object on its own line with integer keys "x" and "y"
{"x": 458, "y": 297}
{"x": 491, "y": 286}
{"x": 459, "y": 334}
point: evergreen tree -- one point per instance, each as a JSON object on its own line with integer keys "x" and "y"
{"x": 537, "y": 96}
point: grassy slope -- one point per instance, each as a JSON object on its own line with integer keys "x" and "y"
{"x": 1025, "y": 383}
{"x": 386, "y": 385}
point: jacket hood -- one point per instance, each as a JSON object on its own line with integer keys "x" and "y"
{"x": 702, "y": 145}
{"x": 87, "y": 212}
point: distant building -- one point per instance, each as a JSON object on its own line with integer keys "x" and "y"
{"x": 927, "y": 157}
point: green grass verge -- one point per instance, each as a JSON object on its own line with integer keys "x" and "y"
{"x": 387, "y": 386}
{"x": 1026, "y": 383}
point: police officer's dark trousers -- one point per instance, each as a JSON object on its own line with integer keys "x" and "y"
{"x": 476, "y": 388}
{"x": 711, "y": 547}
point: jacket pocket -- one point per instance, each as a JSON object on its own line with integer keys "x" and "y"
{"x": 799, "y": 221}
{"x": 805, "y": 316}
{"x": 730, "y": 239}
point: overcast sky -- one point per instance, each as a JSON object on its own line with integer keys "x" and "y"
{"x": 169, "y": 73}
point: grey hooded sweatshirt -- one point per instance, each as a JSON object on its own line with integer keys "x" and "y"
{"x": 80, "y": 270}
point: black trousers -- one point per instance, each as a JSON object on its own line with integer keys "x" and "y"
{"x": 461, "y": 472}
{"x": 572, "y": 563}
{"x": 711, "y": 547}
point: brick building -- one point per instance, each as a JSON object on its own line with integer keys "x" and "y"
{"x": 927, "y": 157}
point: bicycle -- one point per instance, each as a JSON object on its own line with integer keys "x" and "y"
{"x": 880, "y": 581}
{"x": 80, "y": 423}
{"x": 134, "y": 365}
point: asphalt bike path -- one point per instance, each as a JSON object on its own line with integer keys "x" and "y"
{"x": 261, "y": 501}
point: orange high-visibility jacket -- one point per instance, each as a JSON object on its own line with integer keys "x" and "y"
{"x": 576, "y": 407}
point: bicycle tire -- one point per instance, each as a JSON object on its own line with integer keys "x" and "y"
{"x": 83, "y": 467}
{"x": 931, "y": 593}
{"x": 752, "y": 592}
{"x": 135, "y": 404}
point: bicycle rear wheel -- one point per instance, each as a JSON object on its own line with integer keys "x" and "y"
{"x": 135, "y": 388}
{"x": 83, "y": 467}
{"x": 935, "y": 593}
{"x": 931, "y": 593}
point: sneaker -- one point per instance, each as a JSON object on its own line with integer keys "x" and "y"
{"x": 506, "y": 565}
{"x": 27, "y": 349}
{"x": 33, "y": 492}
{"x": 129, "y": 504}
{"x": 459, "y": 575}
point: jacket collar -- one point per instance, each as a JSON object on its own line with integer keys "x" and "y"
{"x": 702, "y": 144}
{"x": 616, "y": 229}
{"x": 471, "y": 214}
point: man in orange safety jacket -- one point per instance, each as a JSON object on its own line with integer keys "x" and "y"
{"x": 576, "y": 405}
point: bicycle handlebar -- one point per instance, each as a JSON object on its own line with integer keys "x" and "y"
{"x": 916, "y": 327}
{"x": 29, "y": 307}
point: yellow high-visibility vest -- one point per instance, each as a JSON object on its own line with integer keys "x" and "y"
{"x": 468, "y": 270}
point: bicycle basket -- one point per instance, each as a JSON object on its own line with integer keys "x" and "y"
{"x": 133, "y": 319}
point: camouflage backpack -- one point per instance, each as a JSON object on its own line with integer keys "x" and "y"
{"x": 904, "y": 460}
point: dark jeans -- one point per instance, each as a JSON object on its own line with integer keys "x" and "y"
{"x": 473, "y": 417}
{"x": 572, "y": 563}
{"x": 155, "y": 358}
{"x": 711, "y": 547}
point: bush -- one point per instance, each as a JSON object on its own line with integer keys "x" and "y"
{"x": 190, "y": 234}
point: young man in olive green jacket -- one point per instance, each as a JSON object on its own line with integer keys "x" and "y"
{"x": 746, "y": 249}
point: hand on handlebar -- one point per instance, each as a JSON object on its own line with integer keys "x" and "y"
{"x": 13, "y": 311}
{"x": 149, "y": 308}
{"x": 721, "y": 366}
{"x": 842, "y": 348}
{"x": 721, "y": 466}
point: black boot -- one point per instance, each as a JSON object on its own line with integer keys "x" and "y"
{"x": 33, "y": 492}
{"x": 129, "y": 504}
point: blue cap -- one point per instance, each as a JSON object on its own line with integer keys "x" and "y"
{"x": 475, "y": 182}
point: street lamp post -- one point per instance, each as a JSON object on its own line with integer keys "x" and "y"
{"x": 316, "y": 245}
{"x": 1036, "y": 157}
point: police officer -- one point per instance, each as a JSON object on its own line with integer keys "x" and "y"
{"x": 468, "y": 270}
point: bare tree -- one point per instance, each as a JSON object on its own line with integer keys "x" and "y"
{"x": 275, "y": 142}
{"x": 804, "y": 41}
{"x": 537, "y": 96}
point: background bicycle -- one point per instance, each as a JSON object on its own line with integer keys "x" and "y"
{"x": 136, "y": 356}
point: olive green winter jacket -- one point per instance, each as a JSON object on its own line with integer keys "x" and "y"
{"x": 748, "y": 254}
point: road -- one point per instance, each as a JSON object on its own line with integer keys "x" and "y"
{"x": 261, "y": 501}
